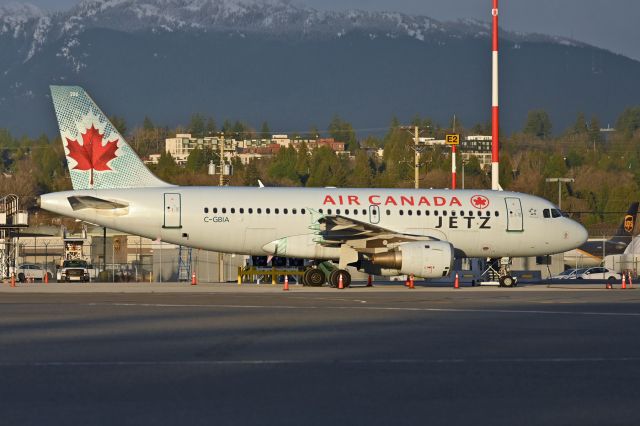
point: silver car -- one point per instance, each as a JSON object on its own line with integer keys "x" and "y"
{"x": 598, "y": 273}
{"x": 31, "y": 271}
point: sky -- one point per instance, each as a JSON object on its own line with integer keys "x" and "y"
{"x": 610, "y": 24}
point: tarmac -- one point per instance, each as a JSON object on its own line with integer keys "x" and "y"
{"x": 223, "y": 354}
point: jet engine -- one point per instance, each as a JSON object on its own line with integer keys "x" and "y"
{"x": 427, "y": 259}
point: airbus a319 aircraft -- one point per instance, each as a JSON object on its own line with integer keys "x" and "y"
{"x": 379, "y": 231}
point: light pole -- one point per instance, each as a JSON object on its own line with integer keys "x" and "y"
{"x": 560, "y": 182}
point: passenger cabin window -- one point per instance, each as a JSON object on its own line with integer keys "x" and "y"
{"x": 233, "y": 210}
{"x": 215, "y": 210}
{"x": 268, "y": 211}
{"x": 206, "y": 209}
{"x": 241, "y": 210}
{"x": 224, "y": 210}
{"x": 302, "y": 211}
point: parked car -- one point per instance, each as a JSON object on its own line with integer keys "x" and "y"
{"x": 566, "y": 275}
{"x": 598, "y": 273}
{"x": 28, "y": 271}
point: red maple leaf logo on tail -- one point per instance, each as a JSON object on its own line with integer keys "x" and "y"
{"x": 92, "y": 155}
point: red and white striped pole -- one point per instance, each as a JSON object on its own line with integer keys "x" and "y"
{"x": 495, "y": 114}
{"x": 453, "y": 167}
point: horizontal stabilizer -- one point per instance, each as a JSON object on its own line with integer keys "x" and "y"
{"x": 89, "y": 202}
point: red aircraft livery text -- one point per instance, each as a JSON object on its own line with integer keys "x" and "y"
{"x": 389, "y": 200}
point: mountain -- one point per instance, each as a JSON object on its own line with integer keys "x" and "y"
{"x": 293, "y": 66}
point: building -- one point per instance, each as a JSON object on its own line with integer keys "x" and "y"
{"x": 181, "y": 146}
{"x": 477, "y": 146}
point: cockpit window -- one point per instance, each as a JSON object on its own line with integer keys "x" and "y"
{"x": 546, "y": 213}
{"x": 556, "y": 213}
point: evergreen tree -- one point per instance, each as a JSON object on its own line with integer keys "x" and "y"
{"x": 538, "y": 124}
{"x": 303, "y": 163}
{"x": 251, "y": 174}
{"x": 265, "y": 133}
{"x": 342, "y": 131}
{"x": 211, "y": 128}
{"x": 196, "y": 125}
{"x": 327, "y": 169}
{"x": 147, "y": 124}
{"x": 197, "y": 161}
{"x": 119, "y": 124}
{"x": 362, "y": 176}
{"x": 629, "y": 121}
{"x": 166, "y": 168}
{"x": 580, "y": 126}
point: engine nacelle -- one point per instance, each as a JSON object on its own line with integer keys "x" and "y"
{"x": 427, "y": 259}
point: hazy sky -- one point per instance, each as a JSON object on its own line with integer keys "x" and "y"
{"x": 611, "y": 24}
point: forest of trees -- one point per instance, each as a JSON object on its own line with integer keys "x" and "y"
{"x": 606, "y": 171}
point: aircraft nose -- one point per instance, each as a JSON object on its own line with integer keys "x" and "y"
{"x": 578, "y": 234}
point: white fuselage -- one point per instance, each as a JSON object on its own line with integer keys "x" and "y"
{"x": 284, "y": 221}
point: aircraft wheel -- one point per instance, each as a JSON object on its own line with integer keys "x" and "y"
{"x": 507, "y": 281}
{"x": 21, "y": 277}
{"x": 334, "y": 278}
{"x": 313, "y": 277}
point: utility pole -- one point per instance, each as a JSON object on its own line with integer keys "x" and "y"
{"x": 560, "y": 182}
{"x": 221, "y": 183}
{"x": 416, "y": 160}
{"x": 415, "y": 131}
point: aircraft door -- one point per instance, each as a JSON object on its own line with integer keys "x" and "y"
{"x": 514, "y": 214}
{"x": 374, "y": 214}
{"x": 172, "y": 207}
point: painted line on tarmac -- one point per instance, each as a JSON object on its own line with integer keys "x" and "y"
{"x": 374, "y": 308}
{"x": 276, "y": 362}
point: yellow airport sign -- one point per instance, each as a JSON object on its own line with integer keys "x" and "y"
{"x": 452, "y": 139}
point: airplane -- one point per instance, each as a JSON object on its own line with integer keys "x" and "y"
{"x": 380, "y": 231}
{"x": 590, "y": 253}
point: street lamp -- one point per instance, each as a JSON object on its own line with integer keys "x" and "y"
{"x": 560, "y": 182}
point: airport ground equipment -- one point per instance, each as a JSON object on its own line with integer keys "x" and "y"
{"x": 260, "y": 275}
{"x": 184, "y": 263}
{"x": 498, "y": 273}
{"x": 12, "y": 218}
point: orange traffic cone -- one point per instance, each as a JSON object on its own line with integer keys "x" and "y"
{"x": 406, "y": 283}
{"x": 624, "y": 283}
{"x": 286, "y": 283}
{"x": 608, "y": 285}
{"x": 193, "y": 279}
{"x": 630, "y": 282}
{"x": 340, "y": 282}
{"x": 456, "y": 282}
{"x": 13, "y": 279}
{"x": 46, "y": 278}
{"x": 369, "y": 281}
{"x": 411, "y": 282}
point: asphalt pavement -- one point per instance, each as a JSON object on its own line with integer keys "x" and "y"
{"x": 381, "y": 356}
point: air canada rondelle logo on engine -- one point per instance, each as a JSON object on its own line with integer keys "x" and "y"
{"x": 479, "y": 201}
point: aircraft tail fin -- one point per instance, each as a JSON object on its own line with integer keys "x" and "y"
{"x": 98, "y": 157}
{"x": 624, "y": 232}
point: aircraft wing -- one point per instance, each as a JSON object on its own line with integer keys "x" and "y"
{"x": 362, "y": 236}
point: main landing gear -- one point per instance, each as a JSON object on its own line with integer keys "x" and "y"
{"x": 316, "y": 275}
